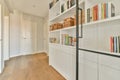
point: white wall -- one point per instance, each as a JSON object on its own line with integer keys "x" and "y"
{"x": 6, "y": 38}
{"x": 14, "y": 34}
{"x": 46, "y": 33}
{"x": 40, "y": 36}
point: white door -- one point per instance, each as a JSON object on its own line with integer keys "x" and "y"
{"x": 6, "y": 38}
{"x": 26, "y": 42}
{"x": 28, "y": 45}
{"x": 34, "y": 37}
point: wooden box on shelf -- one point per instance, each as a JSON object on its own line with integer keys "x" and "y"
{"x": 68, "y": 22}
{"x": 83, "y": 18}
{"x": 56, "y": 26}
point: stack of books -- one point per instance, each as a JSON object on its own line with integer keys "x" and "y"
{"x": 115, "y": 44}
{"x": 68, "y": 40}
{"x": 100, "y": 11}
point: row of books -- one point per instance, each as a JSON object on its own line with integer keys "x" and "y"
{"x": 100, "y": 11}
{"x": 67, "y": 5}
{"x": 68, "y": 40}
{"x": 115, "y": 44}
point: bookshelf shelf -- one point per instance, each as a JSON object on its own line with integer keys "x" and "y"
{"x": 73, "y": 47}
{"x": 103, "y": 21}
{"x": 55, "y": 31}
{"x": 69, "y": 12}
{"x": 54, "y": 44}
{"x": 106, "y": 52}
{"x": 91, "y": 23}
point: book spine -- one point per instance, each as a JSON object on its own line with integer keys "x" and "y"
{"x": 88, "y": 15}
{"x": 100, "y": 10}
{"x": 68, "y": 4}
{"x": 91, "y": 14}
{"x": 97, "y": 14}
{"x": 119, "y": 43}
{"x": 67, "y": 39}
{"x": 94, "y": 13}
{"x": 104, "y": 10}
{"x": 109, "y": 9}
{"x": 111, "y": 44}
{"x": 115, "y": 44}
{"x": 112, "y": 10}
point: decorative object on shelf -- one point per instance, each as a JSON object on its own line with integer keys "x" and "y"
{"x": 115, "y": 44}
{"x": 100, "y": 11}
{"x": 62, "y": 8}
{"x": 51, "y": 4}
{"x": 68, "y": 22}
{"x": 83, "y": 18}
{"x": 68, "y": 40}
{"x": 72, "y": 3}
{"x": 68, "y": 4}
{"x": 56, "y": 26}
{"x": 53, "y": 40}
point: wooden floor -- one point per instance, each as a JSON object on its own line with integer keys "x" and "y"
{"x": 32, "y": 67}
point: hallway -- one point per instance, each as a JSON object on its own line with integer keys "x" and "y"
{"x": 30, "y": 67}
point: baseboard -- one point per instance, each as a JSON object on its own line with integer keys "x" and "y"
{"x": 25, "y": 54}
{"x": 15, "y": 55}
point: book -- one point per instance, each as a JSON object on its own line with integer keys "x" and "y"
{"x": 62, "y": 8}
{"x": 91, "y": 14}
{"x": 119, "y": 43}
{"x": 65, "y": 6}
{"x": 68, "y": 4}
{"x": 70, "y": 40}
{"x": 107, "y": 10}
{"x": 67, "y": 39}
{"x": 115, "y": 44}
{"x": 88, "y": 15}
{"x": 104, "y": 11}
{"x": 111, "y": 44}
{"x": 100, "y": 12}
{"x": 111, "y": 9}
{"x": 95, "y": 13}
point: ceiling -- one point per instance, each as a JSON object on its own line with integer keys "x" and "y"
{"x": 33, "y": 7}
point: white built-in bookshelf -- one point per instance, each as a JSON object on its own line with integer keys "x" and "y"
{"x": 96, "y": 34}
{"x": 85, "y": 4}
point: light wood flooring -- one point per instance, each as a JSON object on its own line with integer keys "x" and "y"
{"x": 31, "y": 67}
